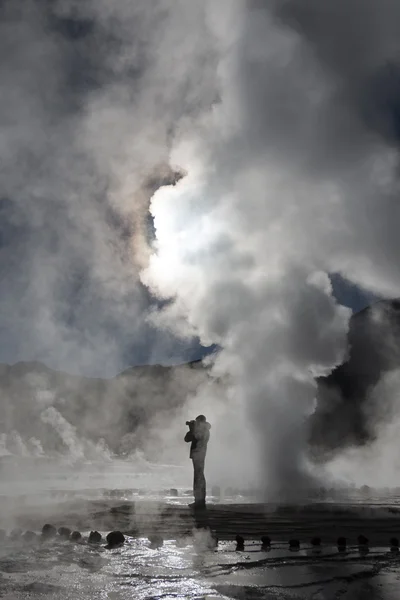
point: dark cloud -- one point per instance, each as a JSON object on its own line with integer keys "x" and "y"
{"x": 86, "y": 113}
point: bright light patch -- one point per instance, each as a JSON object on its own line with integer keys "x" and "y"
{"x": 181, "y": 236}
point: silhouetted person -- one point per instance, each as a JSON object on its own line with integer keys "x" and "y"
{"x": 198, "y": 435}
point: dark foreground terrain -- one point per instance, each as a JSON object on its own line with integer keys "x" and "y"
{"x": 328, "y": 521}
{"x": 187, "y": 565}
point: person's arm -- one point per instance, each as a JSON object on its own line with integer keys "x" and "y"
{"x": 189, "y": 437}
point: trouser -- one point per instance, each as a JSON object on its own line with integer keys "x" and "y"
{"x": 199, "y": 481}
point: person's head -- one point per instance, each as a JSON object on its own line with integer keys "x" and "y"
{"x": 201, "y": 419}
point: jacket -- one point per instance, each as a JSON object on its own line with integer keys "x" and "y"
{"x": 198, "y": 435}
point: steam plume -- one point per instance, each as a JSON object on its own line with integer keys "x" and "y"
{"x": 284, "y": 117}
{"x": 292, "y": 175}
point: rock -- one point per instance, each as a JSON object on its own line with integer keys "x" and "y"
{"x": 239, "y": 543}
{"x": 29, "y": 537}
{"x": 115, "y": 539}
{"x": 341, "y": 544}
{"x": 363, "y": 544}
{"x": 265, "y": 542}
{"x": 315, "y": 541}
{"x": 365, "y": 490}
{"x": 95, "y": 537}
{"x": 294, "y": 544}
{"x": 362, "y": 540}
{"x": 394, "y": 545}
{"x": 156, "y": 541}
{"x": 15, "y": 534}
{"x": 76, "y": 536}
{"x": 173, "y": 492}
{"x": 64, "y": 533}
{"x": 48, "y": 531}
{"x": 216, "y": 492}
{"x": 332, "y": 493}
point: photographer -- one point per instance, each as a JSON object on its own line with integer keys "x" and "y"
{"x": 198, "y": 435}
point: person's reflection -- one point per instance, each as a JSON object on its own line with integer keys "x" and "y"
{"x": 204, "y": 541}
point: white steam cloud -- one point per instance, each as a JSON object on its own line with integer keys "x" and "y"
{"x": 92, "y": 94}
{"x": 287, "y": 180}
{"x": 283, "y": 116}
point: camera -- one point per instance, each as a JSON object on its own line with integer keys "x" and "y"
{"x": 190, "y": 423}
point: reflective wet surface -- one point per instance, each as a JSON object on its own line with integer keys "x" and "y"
{"x": 188, "y": 568}
{"x": 145, "y": 499}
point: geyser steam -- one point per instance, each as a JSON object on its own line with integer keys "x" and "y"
{"x": 281, "y": 173}
{"x": 283, "y": 114}
{"x": 274, "y": 317}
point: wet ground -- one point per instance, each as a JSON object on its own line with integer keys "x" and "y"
{"x": 173, "y": 519}
{"x": 186, "y": 568}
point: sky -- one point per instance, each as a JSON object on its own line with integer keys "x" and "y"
{"x": 351, "y": 295}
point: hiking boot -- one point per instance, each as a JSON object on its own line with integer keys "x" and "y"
{"x": 199, "y": 505}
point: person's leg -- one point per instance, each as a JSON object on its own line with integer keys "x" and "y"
{"x": 202, "y": 483}
{"x": 199, "y": 481}
{"x": 195, "y": 477}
